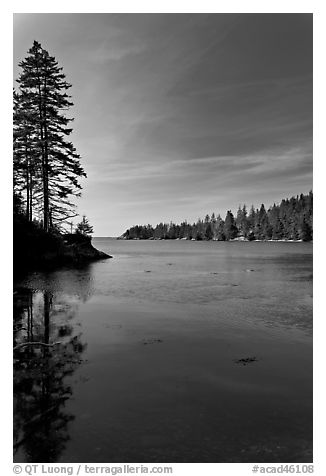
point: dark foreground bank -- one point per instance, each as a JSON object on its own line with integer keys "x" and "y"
{"x": 34, "y": 248}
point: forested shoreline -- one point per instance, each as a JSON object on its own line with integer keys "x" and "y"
{"x": 292, "y": 219}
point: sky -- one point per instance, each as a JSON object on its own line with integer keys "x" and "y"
{"x": 180, "y": 115}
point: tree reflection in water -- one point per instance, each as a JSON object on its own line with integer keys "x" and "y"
{"x": 40, "y": 373}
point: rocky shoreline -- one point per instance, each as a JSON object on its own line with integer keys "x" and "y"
{"x": 36, "y": 249}
{"x": 80, "y": 248}
{"x": 282, "y": 240}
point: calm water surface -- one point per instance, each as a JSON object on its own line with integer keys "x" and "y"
{"x": 172, "y": 351}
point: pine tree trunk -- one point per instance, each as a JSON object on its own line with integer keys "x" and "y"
{"x": 31, "y": 200}
{"x": 44, "y": 165}
{"x": 30, "y": 182}
{"x": 27, "y": 194}
{"x": 45, "y": 196}
{"x": 46, "y": 168}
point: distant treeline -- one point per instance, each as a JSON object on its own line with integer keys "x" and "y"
{"x": 291, "y": 220}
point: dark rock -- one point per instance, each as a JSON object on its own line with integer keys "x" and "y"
{"x": 152, "y": 341}
{"x": 247, "y": 360}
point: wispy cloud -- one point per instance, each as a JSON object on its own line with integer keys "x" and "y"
{"x": 107, "y": 52}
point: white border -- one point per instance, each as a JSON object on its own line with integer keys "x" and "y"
{"x": 243, "y": 6}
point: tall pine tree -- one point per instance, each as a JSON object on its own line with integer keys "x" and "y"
{"x": 41, "y": 128}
